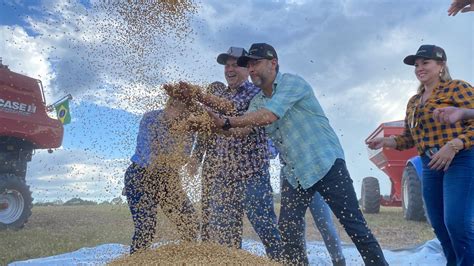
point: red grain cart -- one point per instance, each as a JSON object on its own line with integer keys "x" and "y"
{"x": 24, "y": 127}
{"x": 404, "y": 171}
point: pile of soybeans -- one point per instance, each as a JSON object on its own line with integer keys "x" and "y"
{"x": 193, "y": 254}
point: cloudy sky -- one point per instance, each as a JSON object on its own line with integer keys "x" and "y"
{"x": 350, "y": 51}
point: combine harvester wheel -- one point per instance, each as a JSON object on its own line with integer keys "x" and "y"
{"x": 15, "y": 202}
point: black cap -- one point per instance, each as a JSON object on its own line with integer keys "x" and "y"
{"x": 426, "y": 51}
{"x": 258, "y": 51}
{"x": 234, "y": 52}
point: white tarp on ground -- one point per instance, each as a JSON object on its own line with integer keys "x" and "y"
{"x": 429, "y": 253}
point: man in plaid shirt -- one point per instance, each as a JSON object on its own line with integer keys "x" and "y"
{"x": 235, "y": 174}
{"x": 310, "y": 150}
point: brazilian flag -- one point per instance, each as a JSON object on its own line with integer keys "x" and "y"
{"x": 62, "y": 110}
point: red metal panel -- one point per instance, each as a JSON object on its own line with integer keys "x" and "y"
{"x": 44, "y": 135}
{"x": 23, "y": 112}
{"x": 391, "y": 161}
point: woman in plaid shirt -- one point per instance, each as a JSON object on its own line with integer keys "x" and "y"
{"x": 445, "y": 150}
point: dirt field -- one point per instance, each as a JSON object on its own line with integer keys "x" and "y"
{"x": 56, "y": 230}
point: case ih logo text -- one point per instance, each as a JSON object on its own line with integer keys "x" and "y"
{"x": 17, "y": 107}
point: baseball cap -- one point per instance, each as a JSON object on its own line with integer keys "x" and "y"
{"x": 258, "y": 51}
{"x": 234, "y": 52}
{"x": 427, "y": 51}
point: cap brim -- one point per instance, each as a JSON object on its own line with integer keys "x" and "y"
{"x": 243, "y": 60}
{"x": 410, "y": 60}
{"x": 222, "y": 58}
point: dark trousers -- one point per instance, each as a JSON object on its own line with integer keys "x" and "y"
{"x": 449, "y": 199}
{"x": 337, "y": 190}
{"x": 145, "y": 190}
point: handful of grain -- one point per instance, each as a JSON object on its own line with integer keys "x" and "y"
{"x": 194, "y": 254}
{"x": 197, "y": 121}
{"x": 183, "y": 91}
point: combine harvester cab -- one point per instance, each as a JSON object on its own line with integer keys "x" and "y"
{"x": 404, "y": 170}
{"x": 24, "y": 127}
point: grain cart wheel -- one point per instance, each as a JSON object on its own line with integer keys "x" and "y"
{"x": 370, "y": 195}
{"x": 412, "y": 200}
{"x": 15, "y": 202}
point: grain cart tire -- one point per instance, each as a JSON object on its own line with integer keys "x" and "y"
{"x": 15, "y": 202}
{"x": 370, "y": 195}
{"x": 412, "y": 200}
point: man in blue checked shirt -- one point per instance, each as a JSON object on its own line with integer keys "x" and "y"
{"x": 151, "y": 180}
{"x": 313, "y": 156}
{"x": 236, "y": 177}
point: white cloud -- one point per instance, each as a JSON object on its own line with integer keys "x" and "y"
{"x": 74, "y": 173}
{"x": 88, "y": 53}
{"x": 24, "y": 55}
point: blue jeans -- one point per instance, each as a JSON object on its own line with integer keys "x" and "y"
{"x": 225, "y": 210}
{"x": 229, "y": 199}
{"x": 337, "y": 190}
{"x": 144, "y": 192}
{"x": 261, "y": 213}
{"x": 449, "y": 199}
{"x": 323, "y": 219}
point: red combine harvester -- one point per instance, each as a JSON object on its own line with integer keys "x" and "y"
{"x": 24, "y": 127}
{"x": 404, "y": 170}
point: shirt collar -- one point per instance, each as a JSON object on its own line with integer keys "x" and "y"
{"x": 244, "y": 86}
{"x": 276, "y": 81}
{"x": 439, "y": 86}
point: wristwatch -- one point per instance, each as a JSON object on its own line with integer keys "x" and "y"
{"x": 227, "y": 124}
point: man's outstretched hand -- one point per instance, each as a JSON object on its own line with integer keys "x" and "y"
{"x": 449, "y": 114}
{"x": 200, "y": 121}
{"x": 217, "y": 121}
{"x": 183, "y": 91}
{"x": 460, "y": 5}
{"x": 189, "y": 91}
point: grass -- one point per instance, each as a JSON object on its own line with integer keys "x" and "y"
{"x": 58, "y": 229}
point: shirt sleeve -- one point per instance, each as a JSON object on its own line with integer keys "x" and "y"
{"x": 242, "y": 102}
{"x": 405, "y": 140}
{"x": 288, "y": 92}
{"x": 463, "y": 97}
{"x": 143, "y": 130}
